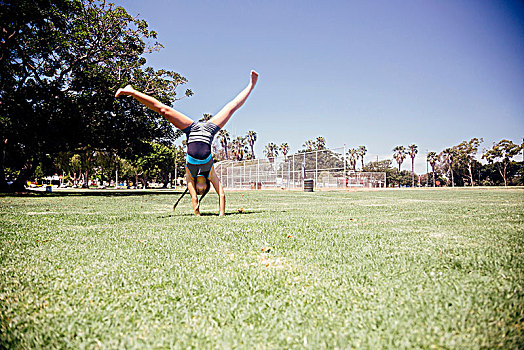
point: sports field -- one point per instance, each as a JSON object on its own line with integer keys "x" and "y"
{"x": 364, "y": 269}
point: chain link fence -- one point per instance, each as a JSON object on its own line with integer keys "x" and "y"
{"x": 329, "y": 169}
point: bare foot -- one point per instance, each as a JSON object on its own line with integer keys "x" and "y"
{"x": 254, "y": 77}
{"x": 124, "y": 91}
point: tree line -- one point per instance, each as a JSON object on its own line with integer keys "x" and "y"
{"x": 453, "y": 166}
{"x": 459, "y": 165}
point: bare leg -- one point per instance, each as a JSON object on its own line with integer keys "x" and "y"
{"x": 225, "y": 113}
{"x": 220, "y": 190}
{"x": 193, "y": 193}
{"x": 176, "y": 118}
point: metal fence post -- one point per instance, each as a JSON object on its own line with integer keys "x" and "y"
{"x": 294, "y": 184}
{"x": 344, "y": 157}
{"x": 283, "y": 173}
{"x": 316, "y": 168}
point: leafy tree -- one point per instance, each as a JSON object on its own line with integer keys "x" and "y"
{"x": 503, "y": 150}
{"x": 317, "y": 160}
{"x": 61, "y": 61}
{"x": 413, "y": 150}
{"x": 127, "y": 172}
{"x": 393, "y": 176}
{"x": 251, "y": 139}
{"x": 159, "y": 162}
{"x": 106, "y": 164}
{"x": 362, "y": 150}
{"x": 466, "y": 151}
{"x": 402, "y": 178}
{"x": 517, "y": 169}
{"x": 75, "y": 164}
{"x": 382, "y": 166}
{"x": 399, "y": 155}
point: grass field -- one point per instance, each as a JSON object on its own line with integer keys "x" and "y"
{"x": 367, "y": 269}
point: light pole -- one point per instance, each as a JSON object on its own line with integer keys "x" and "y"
{"x": 427, "y": 169}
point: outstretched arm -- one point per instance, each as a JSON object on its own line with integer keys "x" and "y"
{"x": 176, "y": 118}
{"x": 223, "y": 116}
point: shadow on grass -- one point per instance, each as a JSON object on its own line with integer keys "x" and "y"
{"x": 230, "y": 213}
{"x": 91, "y": 192}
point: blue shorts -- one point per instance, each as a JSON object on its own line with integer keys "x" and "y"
{"x": 199, "y": 167}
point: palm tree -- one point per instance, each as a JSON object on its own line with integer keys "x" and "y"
{"x": 223, "y": 136}
{"x": 413, "y": 150}
{"x": 362, "y": 152}
{"x": 399, "y": 155}
{"x": 320, "y": 143}
{"x": 239, "y": 147}
{"x": 448, "y": 155}
{"x": 205, "y": 117}
{"x": 353, "y": 156}
{"x": 432, "y": 158}
{"x": 310, "y": 145}
{"x": 284, "y": 148}
{"x": 271, "y": 151}
{"x": 251, "y": 138}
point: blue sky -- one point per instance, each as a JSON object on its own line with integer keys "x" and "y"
{"x": 374, "y": 73}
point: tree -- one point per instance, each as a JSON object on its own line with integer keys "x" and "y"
{"x": 159, "y": 162}
{"x": 402, "y": 178}
{"x": 399, "y": 155}
{"x": 503, "y": 150}
{"x": 320, "y": 143}
{"x": 60, "y": 63}
{"x": 310, "y": 145}
{"x": 205, "y": 117}
{"x": 382, "y": 166}
{"x": 413, "y": 150}
{"x": 448, "y": 156}
{"x": 326, "y": 159}
{"x": 239, "y": 147}
{"x": 251, "y": 138}
{"x": 271, "y": 151}
{"x": 466, "y": 151}
{"x": 223, "y": 136}
{"x": 362, "y": 152}
{"x": 353, "y": 157}
{"x": 105, "y": 164}
{"x": 432, "y": 158}
{"x": 284, "y": 148}
{"x": 75, "y": 166}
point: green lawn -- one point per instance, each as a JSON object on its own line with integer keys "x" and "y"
{"x": 367, "y": 269}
